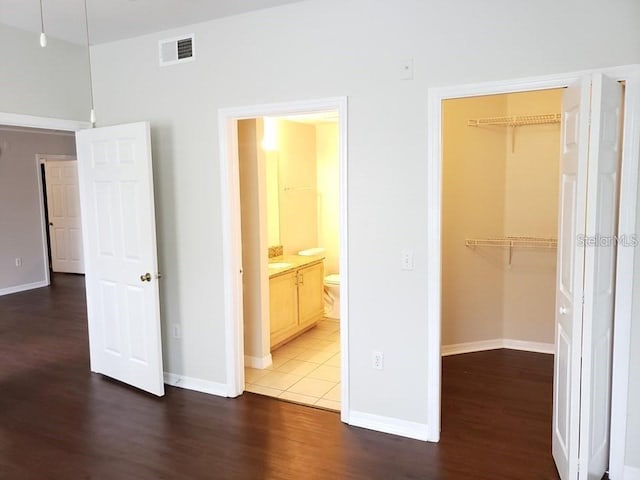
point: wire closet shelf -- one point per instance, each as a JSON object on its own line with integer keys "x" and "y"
{"x": 516, "y": 120}
{"x": 513, "y": 242}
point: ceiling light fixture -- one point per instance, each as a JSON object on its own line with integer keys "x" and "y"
{"x": 92, "y": 115}
{"x": 43, "y": 36}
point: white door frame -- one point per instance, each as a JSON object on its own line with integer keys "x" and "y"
{"x": 30, "y": 121}
{"x": 628, "y": 195}
{"x": 41, "y": 159}
{"x": 232, "y": 240}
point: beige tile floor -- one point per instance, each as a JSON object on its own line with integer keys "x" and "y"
{"x": 305, "y": 370}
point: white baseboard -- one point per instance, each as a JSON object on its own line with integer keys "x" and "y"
{"x": 258, "y": 362}
{"x": 496, "y": 343}
{"x": 537, "y": 347}
{"x": 631, "y": 473}
{"x": 23, "y": 288}
{"x": 394, "y": 426}
{"x": 196, "y": 384}
{"x": 469, "y": 347}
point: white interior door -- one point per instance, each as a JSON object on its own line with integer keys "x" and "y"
{"x": 585, "y": 277}
{"x": 605, "y": 156}
{"x": 118, "y": 217}
{"x": 63, "y": 208}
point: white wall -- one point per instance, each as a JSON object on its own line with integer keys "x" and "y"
{"x": 46, "y": 82}
{"x": 20, "y": 220}
{"x": 324, "y": 48}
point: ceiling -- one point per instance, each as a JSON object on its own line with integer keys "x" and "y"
{"x": 111, "y": 20}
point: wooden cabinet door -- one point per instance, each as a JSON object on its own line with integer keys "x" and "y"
{"x": 283, "y": 306}
{"x": 311, "y": 294}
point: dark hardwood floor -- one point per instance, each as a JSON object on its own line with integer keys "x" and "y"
{"x": 59, "y": 421}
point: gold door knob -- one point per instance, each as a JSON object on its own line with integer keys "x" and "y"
{"x": 146, "y": 277}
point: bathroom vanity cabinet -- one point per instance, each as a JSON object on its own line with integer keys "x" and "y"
{"x": 296, "y": 301}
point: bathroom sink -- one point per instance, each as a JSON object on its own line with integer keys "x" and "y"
{"x": 279, "y": 265}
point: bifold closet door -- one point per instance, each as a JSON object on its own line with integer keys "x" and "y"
{"x": 590, "y": 166}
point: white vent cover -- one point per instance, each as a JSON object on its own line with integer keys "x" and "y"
{"x": 176, "y": 50}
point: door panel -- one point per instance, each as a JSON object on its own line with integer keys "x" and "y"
{"x": 120, "y": 245}
{"x": 569, "y": 291}
{"x": 63, "y": 208}
{"x": 283, "y": 306}
{"x": 589, "y": 190}
{"x": 599, "y": 272}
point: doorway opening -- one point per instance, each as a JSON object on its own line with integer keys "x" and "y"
{"x": 289, "y": 179}
{"x": 26, "y": 249}
{"x": 500, "y": 178}
{"x": 587, "y": 154}
{"x": 284, "y": 196}
{"x": 61, "y": 209}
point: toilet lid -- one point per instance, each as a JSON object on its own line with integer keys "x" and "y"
{"x": 333, "y": 279}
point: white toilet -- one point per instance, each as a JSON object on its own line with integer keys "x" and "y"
{"x": 331, "y": 287}
{"x": 332, "y": 296}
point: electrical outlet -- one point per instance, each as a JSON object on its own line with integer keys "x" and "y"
{"x": 177, "y": 330}
{"x": 18, "y": 261}
{"x": 378, "y": 360}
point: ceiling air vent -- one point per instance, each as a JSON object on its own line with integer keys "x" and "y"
{"x": 176, "y": 50}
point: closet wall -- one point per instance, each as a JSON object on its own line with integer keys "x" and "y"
{"x": 499, "y": 182}
{"x": 531, "y": 208}
{"x": 473, "y": 198}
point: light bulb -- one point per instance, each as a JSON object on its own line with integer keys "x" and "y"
{"x": 43, "y": 40}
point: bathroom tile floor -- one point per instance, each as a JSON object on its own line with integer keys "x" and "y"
{"x": 306, "y": 370}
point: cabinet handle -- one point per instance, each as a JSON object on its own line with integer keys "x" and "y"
{"x": 300, "y": 279}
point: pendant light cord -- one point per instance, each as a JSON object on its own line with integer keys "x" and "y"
{"x": 41, "y": 18}
{"x": 86, "y": 24}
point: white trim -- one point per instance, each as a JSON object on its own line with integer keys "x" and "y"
{"x": 536, "y": 347}
{"x": 629, "y": 473}
{"x": 43, "y": 158}
{"x": 394, "y": 426}
{"x": 469, "y": 347}
{"x": 625, "y": 276}
{"x": 30, "y": 121}
{"x": 496, "y": 343}
{"x": 627, "y": 73}
{"x": 196, "y": 384}
{"x": 232, "y": 243}
{"x": 258, "y": 362}
{"x": 22, "y": 288}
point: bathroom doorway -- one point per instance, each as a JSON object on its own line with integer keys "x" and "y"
{"x": 288, "y": 242}
{"x": 289, "y": 179}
